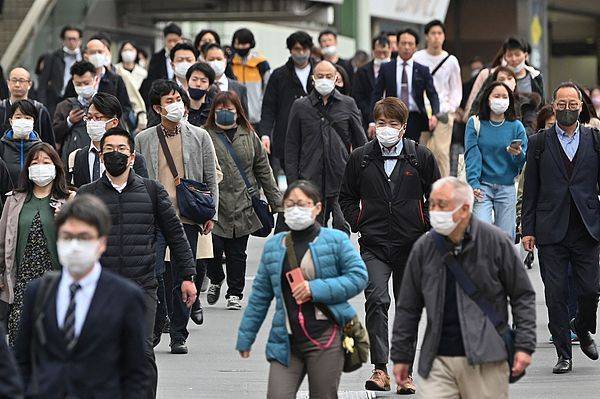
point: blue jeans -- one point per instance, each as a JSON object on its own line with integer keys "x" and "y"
{"x": 498, "y": 206}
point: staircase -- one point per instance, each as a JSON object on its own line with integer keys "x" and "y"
{"x": 12, "y": 16}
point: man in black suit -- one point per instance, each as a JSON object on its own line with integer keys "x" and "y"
{"x": 561, "y": 216}
{"x": 81, "y": 333}
{"x": 364, "y": 79}
{"x": 409, "y": 81}
{"x": 215, "y": 57}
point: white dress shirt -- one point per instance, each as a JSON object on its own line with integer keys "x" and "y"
{"x": 83, "y": 297}
{"x": 91, "y": 158}
{"x": 447, "y": 80}
{"x": 412, "y": 106}
{"x": 303, "y": 74}
{"x": 170, "y": 71}
{"x": 223, "y": 83}
{"x": 390, "y": 164}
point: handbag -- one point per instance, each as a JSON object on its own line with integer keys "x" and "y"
{"x": 194, "y": 199}
{"x": 261, "y": 207}
{"x": 466, "y": 284}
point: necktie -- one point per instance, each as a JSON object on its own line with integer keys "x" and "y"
{"x": 69, "y": 326}
{"x": 404, "y": 85}
{"x": 96, "y": 166}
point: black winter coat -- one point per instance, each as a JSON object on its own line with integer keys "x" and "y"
{"x": 135, "y": 217}
{"x": 389, "y": 223}
{"x": 362, "y": 90}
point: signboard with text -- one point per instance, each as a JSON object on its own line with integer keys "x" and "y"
{"x": 415, "y": 11}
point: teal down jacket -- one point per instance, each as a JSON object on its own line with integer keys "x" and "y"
{"x": 340, "y": 275}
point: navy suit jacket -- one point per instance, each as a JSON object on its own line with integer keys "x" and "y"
{"x": 422, "y": 82}
{"x": 548, "y": 189}
{"x": 108, "y": 359}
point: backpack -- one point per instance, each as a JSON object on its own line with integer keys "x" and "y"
{"x": 461, "y": 172}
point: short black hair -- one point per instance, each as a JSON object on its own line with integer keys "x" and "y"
{"x": 118, "y": 131}
{"x": 201, "y": 67}
{"x": 67, "y": 28}
{"x": 103, "y": 37}
{"x": 172, "y": 28}
{"x": 389, "y": 33}
{"x": 80, "y": 68}
{"x": 203, "y": 32}
{"x": 410, "y": 31}
{"x": 512, "y": 43}
{"x": 484, "y": 107}
{"x": 88, "y": 209}
{"x": 27, "y": 107}
{"x": 435, "y": 22}
{"x": 563, "y": 85}
{"x": 183, "y": 46}
{"x": 326, "y": 32}
{"x": 380, "y": 40}
{"x": 107, "y": 105}
{"x": 210, "y": 46}
{"x": 243, "y": 36}
{"x": 307, "y": 187}
{"x": 300, "y": 37}
{"x": 163, "y": 87}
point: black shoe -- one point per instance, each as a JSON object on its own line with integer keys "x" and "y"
{"x": 167, "y": 326}
{"x": 563, "y": 366}
{"x": 156, "y": 340}
{"x": 586, "y": 342}
{"x": 178, "y": 348}
{"x": 197, "y": 314}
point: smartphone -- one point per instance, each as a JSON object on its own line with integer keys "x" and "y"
{"x": 295, "y": 278}
{"x": 516, "y": 143}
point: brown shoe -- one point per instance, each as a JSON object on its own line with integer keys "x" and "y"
{"x": 407, "y": 388}
{"x": 379, "y": 381}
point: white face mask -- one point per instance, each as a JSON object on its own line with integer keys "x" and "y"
{"x": 519, "y": 67}
{"x": 181, "y": 69}
{"x": 96, "y": 129}
{"x": 442, "y": 221}
{"x": 128, "y": 55}
{"x": 99, "y": 60}
{"x": 86, "y": 92}
{"x": 22, "y": 128}
{"x": 499, "y": 105}
{"x": 77, "y": 256}
{"x": 388, "y": 136}
{"x": 379, "y": 61}
{"x": 324, "y": 86}
{"x": 69, "y": 51}
{"x": 218, "y": 66}
{"x": 42, "y": 175}
{"x": 175, "y": 111}
{"x": 329, "y": 51}
{"x": 298, "y": 217}
{"x": 511, "y": 83}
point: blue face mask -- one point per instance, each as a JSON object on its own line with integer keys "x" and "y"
{"x": 225, "y": 118}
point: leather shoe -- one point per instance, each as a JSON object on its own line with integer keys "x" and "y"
{"x": 586, "y": 342}
{"x": 379, "y": 381}
{"x": 178, "y": 348}
{"x": 563, "y": 366}
{"x": 197, "y": 314}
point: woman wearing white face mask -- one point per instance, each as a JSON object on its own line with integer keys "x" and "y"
{"x": 17, "y": 141}
{"x": 27, "y": 231}
{"x": 495, "y": 147}
{"x": 313, "y": 304}
{"x": 133, "y": 75}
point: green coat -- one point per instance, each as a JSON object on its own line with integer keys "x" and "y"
{"x": 236, "y": 215}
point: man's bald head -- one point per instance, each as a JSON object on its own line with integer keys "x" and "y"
{"x": 19, "y": 83}
{"x": 96, "y": 46}
{"x": 324, "y": 67}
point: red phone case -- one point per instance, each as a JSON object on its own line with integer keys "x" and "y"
{"x": 295, "y": 278}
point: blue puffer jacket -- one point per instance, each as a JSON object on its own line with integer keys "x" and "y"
{"x": 340, "y": 275}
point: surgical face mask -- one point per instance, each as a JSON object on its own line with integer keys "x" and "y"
{"x": 42, "y": 175}
{"x": 519, "y": 67}
{"x": 96, "y": 129}
{"x": 566, "y": 117}
{"x": 22, "y": 128}
{"x": 329, "y": 51}
{"x": 128, "y": 55}
{"x": 324, "y": 86}
{"x": 442, "y": 221}
{"x": 225, "y": 118}
{"x": 142, "y": 63}
{"x": 181, "y": 69}
{"x": 86, "y": 92}
{"x": 99, "y": 60}
{"x": 196, "y": 94}
{"x": 475, "y": 72}
{"x": 218, "y": 66}
{"x": 298, "y": 217}
{"x": 388, "y": 136}
{"x": 69, "y": 51}
{"x": 379, "y": 61}
{"x": 499, "y": 105}
{"x": 175, "y": 111}
{"x": 300, "y": 59}
{"x": 77, "y": 256}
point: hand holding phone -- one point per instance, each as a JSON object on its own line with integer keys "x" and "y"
{"x": 516, "y": 144}
{"x": 298, "y": 285}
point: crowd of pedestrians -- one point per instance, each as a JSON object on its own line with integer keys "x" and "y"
{"x": 129, "y": 188}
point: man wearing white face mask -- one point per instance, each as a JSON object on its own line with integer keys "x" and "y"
{"x": 89, "y": 318}
{"x": 328, "y": 42}
{"x": 183, "y": 56}
{"x": 323, "y": 129}
{"x": 384, "y": 195}
{"x": 463, "y": 353}
{"x": 215, "y": 57}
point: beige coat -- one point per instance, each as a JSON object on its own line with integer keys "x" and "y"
{"x": 132, "y": 84}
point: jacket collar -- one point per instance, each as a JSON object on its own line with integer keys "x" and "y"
{"x": 106, "y": 181}
{"x": 315, "y": 97}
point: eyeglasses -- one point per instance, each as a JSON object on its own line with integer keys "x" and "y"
{"x": 301, "y": 204}
{"x": 19, "y": 81}
{"x": 89, "y": 117}
{"x": 572, "y": 105}
{"x": 121, "y": 148}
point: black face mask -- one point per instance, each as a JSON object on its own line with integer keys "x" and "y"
{"x": 196, "y": 94}
{"x": 115, "y": 163}
{"x": 566, "y": 117}
{"x": 242, "y": 51}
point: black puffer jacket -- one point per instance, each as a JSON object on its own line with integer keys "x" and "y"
{"x": 131, "y": 243}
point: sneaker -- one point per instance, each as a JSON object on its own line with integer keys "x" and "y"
{"x": 205, "y": 283}
{"x": 379, "y": 381}
{"x": 178, "y": 348}
{"x": 233, "y": 303}
{"x": 212, "y": 294}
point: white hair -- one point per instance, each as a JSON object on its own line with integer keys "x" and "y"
{"x": 462, "y": 193}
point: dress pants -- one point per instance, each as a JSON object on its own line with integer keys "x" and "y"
{"x": 417, "y": 123}
{"x": 438, "y": 143}
{"x": 580, "y": 250}
{"x": 332, "y": 209}
{"x": 378, "y": 301}
{"x": 150, "y": 301}
{"x": 235, "y": 262}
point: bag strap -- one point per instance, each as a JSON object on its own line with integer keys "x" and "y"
{"x": 167, "y": 153}
{"x": 153, "y": 192}
{"x": 335, "y": 127}
{"x": 465, "y": 282}
{"x": 439, "y": 65}
{"x": 238, "y": 164}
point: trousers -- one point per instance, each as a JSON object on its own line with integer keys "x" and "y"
{"x": 150, "y": 301}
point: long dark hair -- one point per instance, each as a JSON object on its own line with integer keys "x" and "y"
{"x": 484, "y": 107}
{"x": 59, "y": 185}
{"x": 223, "y": 98}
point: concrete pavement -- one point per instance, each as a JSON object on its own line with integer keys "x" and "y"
{"x": 213, "y": 369}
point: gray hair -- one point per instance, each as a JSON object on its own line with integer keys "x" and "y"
{"x": 462, "y": 193}
{"x": 571, "y": 85}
